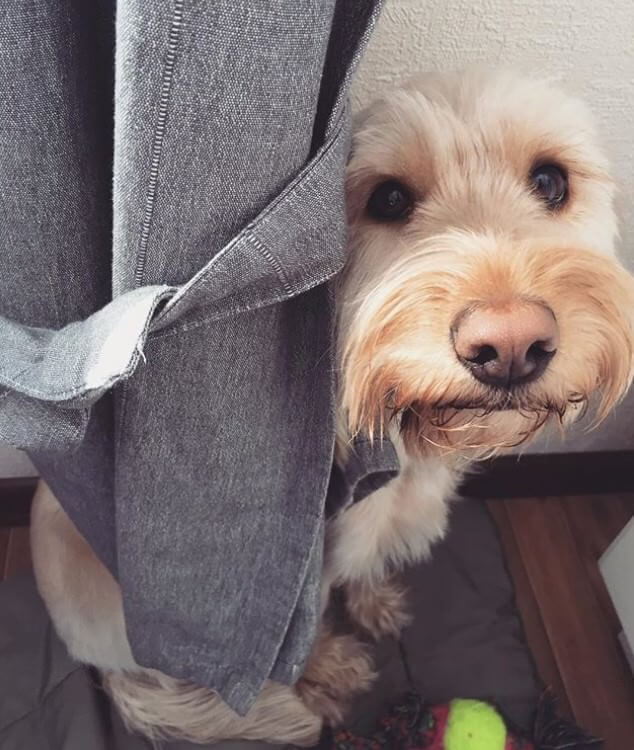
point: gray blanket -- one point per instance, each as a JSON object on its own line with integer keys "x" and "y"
{"x": 465, "y": 641}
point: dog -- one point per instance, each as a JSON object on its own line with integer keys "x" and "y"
{"x": 482, "y": 301}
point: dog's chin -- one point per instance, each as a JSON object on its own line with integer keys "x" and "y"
{"x": 480, "y": 428}
{"x": 502, "y": 400}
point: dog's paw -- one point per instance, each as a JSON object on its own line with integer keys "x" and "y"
{"x": 379, "y": 608}
{"x": 339, "y": 668}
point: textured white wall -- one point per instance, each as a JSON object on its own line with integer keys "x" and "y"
{"x": 588, "y": 47}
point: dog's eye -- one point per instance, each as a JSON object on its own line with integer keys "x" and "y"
{"x": 390, "y": 201}
{"x": 550, "y": 183}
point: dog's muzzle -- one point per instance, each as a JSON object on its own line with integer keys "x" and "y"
{"x": 506, "y": 345}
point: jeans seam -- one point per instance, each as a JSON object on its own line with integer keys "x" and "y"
{"x": 123, "y": 402}
{"x": 59, "y": 397}
{"x": 158, "y": 138}
{"x": 177, "y": 328}
{"x": 299, "y": 184}
{"x": 273, "y": 262}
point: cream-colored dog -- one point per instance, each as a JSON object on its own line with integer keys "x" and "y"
{"x": 482, "y": 300}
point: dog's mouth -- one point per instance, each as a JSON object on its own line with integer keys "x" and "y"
{"x": 465, "y": 424}
{"x": 489, "y": 407}
{"x": 498, "y": 401}
{"x": 479, "y": 424}
{"x": 486, "y": 407}
{"x": 505, "y": 400}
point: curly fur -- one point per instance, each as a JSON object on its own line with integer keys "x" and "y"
{"x": 163, "y": 708}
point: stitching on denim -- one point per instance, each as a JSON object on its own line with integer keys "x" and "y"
{"x": 175, "y": 329}
{"x": 11, "y": 384}
{"x": 59, "y": 397}
{"x": 158, "y": 137}
{"x": 273, "y": 261}
{"x": 302, "y": 182}
{"x": 123, "y": 403}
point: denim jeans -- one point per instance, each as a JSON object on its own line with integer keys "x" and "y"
{"x": 171, "y": 212}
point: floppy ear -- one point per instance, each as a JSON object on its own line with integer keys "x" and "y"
{"x": 359, "y": 120}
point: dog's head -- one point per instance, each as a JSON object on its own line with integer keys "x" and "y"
{"x": 482, "y": 297}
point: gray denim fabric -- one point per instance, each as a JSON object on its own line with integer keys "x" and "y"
{"x": 165, "y": 322}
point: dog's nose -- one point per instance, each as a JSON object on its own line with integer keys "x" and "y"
{"x": 506, "y": 346}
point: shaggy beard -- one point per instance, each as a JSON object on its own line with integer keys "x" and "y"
{"x": 398, "y": 368}
{"x": 479, "y": 431}
{"x": 473, "y": 423}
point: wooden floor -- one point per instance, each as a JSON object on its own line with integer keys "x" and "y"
{"x": 552, "y": 546}
{"x": 15, "y": 551}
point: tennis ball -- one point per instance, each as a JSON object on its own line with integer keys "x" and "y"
{"x": 474, "y": 725}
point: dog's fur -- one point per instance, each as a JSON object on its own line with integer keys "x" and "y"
{"x": 464, "y": 144}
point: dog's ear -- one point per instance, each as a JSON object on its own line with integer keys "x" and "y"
{"x": 422, "y": 86}
{"x": 361, "y": 118}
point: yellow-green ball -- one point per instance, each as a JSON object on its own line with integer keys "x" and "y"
{"x": 474, "y": 725}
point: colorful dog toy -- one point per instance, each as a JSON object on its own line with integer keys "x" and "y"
{"x": 463, "y": 724}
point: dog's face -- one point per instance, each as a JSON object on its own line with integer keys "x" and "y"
{"x": 482, "y": 296}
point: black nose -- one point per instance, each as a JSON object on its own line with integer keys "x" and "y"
{"x": 506, "y": 369}
{"x": 506, "y": 347}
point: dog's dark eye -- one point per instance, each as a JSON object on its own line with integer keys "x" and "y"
{"x": 390, "y": 201}
{"x": 550, "y": 183}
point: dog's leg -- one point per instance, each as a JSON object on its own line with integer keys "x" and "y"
{"x": 163, "y": 708}
{"x": 391, "y": 528}
{"x": 82, "y": 597}
{"x": 378, "y": 607}
{"x": 339, "y": 668}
